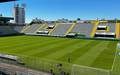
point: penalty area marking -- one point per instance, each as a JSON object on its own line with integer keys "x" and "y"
{"x": 99, "y": 69}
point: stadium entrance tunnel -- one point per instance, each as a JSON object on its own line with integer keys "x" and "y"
{"x": 51, "y": 27}
{"x": 71, "y": 35}
{"x": 102, "y": 28}
{"x": 105, "y": 35}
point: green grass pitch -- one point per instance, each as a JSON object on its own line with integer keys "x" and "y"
{"x": 92, "y": 53}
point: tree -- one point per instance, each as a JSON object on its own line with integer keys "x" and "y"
{"x": 74, "y": 21}
{"x": 78, "y": 19}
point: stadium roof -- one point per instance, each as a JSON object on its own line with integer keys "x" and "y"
{"x": 6, "y": 0}
{"x": 6, "y": 19}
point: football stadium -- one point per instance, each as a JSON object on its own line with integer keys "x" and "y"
{"x": 89, "y": 47}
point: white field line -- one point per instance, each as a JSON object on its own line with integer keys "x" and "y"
{"x": 99, "y": 69}
{"x": 114, "y": 60}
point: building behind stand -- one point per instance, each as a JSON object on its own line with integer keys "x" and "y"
{"x": 19, "y": 14}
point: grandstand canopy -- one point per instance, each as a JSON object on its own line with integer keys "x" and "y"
{"x": 5, "y": 19}
{"x": 6, "y": 0}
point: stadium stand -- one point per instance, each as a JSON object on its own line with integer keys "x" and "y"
{"x": 83, "y": 28}
{"x": 43, "y": 27}
{"x": 42, "y": 30}
{"x": 50, "y": 26}
{"x": 70, "y": 29}
{"x": 109, "y": 32}
{"x": 11, "y": 69}
{"x": 95, "y": 23}
{"x": 111, "y": 27}
{"x": 102, "y": 24}
{"x": 102, "y": 28}
{"x": 71, "y": 35}
{"x": 6, "y": 30}
{"x": 10, "y": 29}
{"x": 9, "y": 57}
{"x": 117, "y": 30}
{"x": 61, "y": 29}
{"x": 25, "y": 28}
{"x": 51, "y": 30}
{"x": 18, "y": 28}
{"x": 32, "y": 28}
{"x": 105, "y": 35}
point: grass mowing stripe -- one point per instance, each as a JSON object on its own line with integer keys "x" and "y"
{"x": 72, "y": 49}
{"x": 66, "y": 51}
{"x": 13, "y": 39}
{"x": 92, "y": 54}
{"x": 79, "y": 52}
{"x": 57, "y": 51}
{"x": 32, "y": 47}
{"x": 23, "y": 48}
{"x": 19, "y": 40}
{"x": 105, "y": 59}
{"x": 21, "y": 45}
{"x": 60, "y": 45}
{"x": 42, "y": 47}
{"x": 10, "y": 37}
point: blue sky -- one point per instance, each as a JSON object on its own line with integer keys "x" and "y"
{"x": 71, "y": 9}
